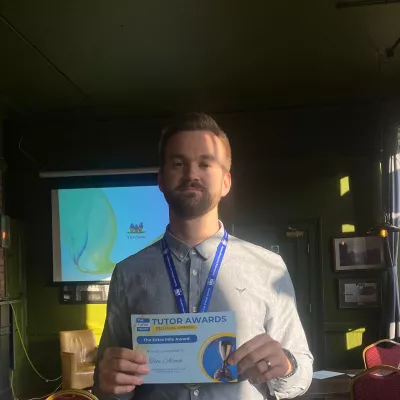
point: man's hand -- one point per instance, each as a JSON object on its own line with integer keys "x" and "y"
{"x": 120, "y": 370}
{"x": 261, "y": 359}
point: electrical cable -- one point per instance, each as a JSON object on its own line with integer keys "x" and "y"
{"x": 26, "y": 352}
{"x": 32, "y": 398}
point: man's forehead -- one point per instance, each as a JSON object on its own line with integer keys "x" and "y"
{"x": 199, "y": 145}
{"x": 187, "y": 139}
{"x": 205, "y": 156}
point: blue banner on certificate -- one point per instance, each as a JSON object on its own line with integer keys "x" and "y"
{"x": 187, "y": 348}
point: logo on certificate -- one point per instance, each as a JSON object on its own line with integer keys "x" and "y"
{"x": 143, "y": 324}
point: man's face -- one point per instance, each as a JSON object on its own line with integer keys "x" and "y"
{"x": 194, "y": 176}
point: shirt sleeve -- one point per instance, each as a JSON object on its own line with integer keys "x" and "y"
{"x": 117, "y": 331}
{"x": 285, "y": 327}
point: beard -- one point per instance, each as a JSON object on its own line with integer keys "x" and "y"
{"x": 190, "y": 205}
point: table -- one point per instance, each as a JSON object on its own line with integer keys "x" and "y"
{"x": 337, "y": 387}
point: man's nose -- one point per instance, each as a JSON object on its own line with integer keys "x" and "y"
{"x": 191, "y": 172}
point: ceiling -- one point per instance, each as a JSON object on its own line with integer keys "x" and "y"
{"x": 154, "y": 57}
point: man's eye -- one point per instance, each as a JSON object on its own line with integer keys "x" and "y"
{"x": 205, "y": 165}
{"x": 178, "y": 164}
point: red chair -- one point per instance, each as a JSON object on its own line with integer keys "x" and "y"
{"x": 383, "y": 352}
{"x": 377, "y": 383}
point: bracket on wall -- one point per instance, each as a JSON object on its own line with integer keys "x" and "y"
{"x": 363, "y": 3}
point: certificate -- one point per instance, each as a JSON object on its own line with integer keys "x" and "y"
{"x": 186, "y": 348}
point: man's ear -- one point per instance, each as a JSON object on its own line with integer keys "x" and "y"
{"x": 226, "y": 184}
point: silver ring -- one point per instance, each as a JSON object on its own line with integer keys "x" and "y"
{"x": 269, "y": 365}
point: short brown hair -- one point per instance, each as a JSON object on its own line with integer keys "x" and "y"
{"x": 195, "y": 121}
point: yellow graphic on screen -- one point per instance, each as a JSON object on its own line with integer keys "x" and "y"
{"x": 88, "y": 227}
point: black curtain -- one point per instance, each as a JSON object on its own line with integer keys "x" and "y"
{"x": 390, "y": 327}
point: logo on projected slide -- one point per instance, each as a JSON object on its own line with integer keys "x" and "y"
{"x": 136, "y": 228}
{"x": 136, "y": 231}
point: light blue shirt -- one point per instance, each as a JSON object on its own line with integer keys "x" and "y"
{"x": 252, "y": 281}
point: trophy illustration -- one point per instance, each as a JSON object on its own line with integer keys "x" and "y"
{"x": 225, "y": 349}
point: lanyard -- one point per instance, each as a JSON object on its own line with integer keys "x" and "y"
{"x": 212, "y": 276}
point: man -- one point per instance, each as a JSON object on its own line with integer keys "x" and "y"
{"x": 272, "y": 355}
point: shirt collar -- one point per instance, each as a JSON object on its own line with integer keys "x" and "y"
{"x": 206, "y": 249}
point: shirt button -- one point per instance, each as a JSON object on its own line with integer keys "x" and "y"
{"x": 193, "y": 252}
{"x": 194, "y": 309}
{"x": 194, "y": 272}
{"x": 196, "y": 392}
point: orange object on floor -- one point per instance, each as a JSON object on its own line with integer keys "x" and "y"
{"x": 72, "y": 394}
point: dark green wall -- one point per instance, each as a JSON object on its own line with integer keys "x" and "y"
{"x": 16, "y": 289}
{"x": 296, "y": 189}
{"x": 286, "y": 166}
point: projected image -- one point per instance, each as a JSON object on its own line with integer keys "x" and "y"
{"x": 98, "y": 227}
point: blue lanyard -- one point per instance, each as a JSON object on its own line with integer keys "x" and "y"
{"x": 212, "y": 276}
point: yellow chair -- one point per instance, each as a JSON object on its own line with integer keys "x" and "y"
{"x": 78, "y": 358}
